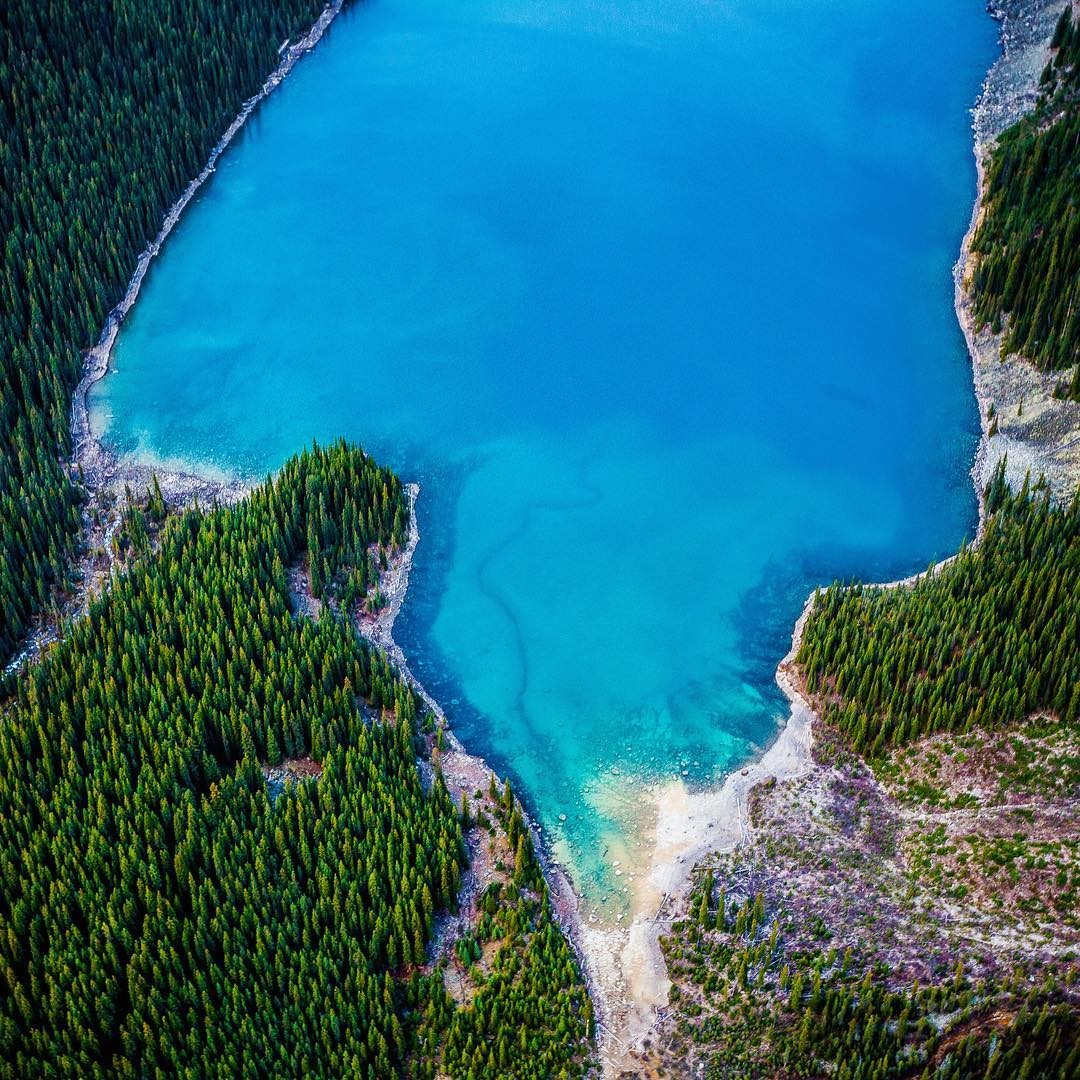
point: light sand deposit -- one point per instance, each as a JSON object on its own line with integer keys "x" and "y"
{"x": 626, "y": 963}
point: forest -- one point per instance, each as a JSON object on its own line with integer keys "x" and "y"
{"x": 984, "y": 643}
{"x": 107, "y": 109}
{"x": 980, "y": 644}
{"x": 990, "y": 638}
{"x": 1027, "y": 275}
{"x": 160, "y": 913}
{"x": 163, "y": 912}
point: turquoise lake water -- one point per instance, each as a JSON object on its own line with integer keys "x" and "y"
{"x": 652, "y": 298}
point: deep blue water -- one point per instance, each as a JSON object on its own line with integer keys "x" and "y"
{"x": 654, "y": 300}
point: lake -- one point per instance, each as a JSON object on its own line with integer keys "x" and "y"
{"x": 653, "y": 299}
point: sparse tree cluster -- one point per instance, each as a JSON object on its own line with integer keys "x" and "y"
{"x": 531, "y": 1017}
{"x": 755, "y": 1006}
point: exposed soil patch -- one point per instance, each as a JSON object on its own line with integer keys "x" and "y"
{"x": 837, "y": 860}
{"x": 290, "y": 771}
{"x": 301, "y": 599}
{"x": 489, "y": 860}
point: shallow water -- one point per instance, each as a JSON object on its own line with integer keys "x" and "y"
{"x": 653, "y": 299}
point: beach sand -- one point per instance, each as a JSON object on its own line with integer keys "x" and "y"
{"x": 682, "y": 826}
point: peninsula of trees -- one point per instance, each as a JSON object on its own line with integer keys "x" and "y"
{"x": 987, "y": 640}
{"x": 162, "y": 914}
{"x": 909, "y": 908}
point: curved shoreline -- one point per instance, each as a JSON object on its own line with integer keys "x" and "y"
{"x": 102, "y": 472}
{"x": 98, "y": 467}
{"x": 689, "y": 825}
{"x": 99, "y": 471}
{"x": 463, "y": 771}
{"x": 624, "y": 965}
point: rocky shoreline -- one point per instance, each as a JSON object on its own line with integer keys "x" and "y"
{"x": 105, "y": 475}
{"x": 98, "y": 468}
{"x": 465, "y": 773}
{"x": 624, "y": 966}
{"x": 1020, "y": 418}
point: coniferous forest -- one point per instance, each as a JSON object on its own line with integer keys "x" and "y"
{"x": 107, "y": 109}
{"x": 1027, "y": 279}
{"x": 788, "y": 976}
{"x": 162, "y": 914}
{"x": 794, "y": 954}
{"x": 990, "y": 638}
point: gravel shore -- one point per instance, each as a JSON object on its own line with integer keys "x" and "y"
{"x": 1036, "y": 433}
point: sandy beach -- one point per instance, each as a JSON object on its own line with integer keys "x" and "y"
{"x": 622, "y": 961}
{"x": 625, "y": 962}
